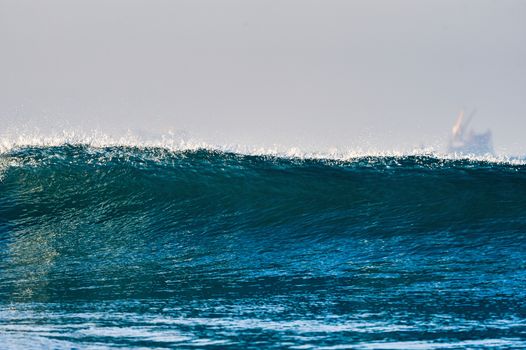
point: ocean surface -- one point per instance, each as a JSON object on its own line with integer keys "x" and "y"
{"x": 145, "y": 247}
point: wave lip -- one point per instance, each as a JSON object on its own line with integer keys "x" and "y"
{"x": 181, "y": 142}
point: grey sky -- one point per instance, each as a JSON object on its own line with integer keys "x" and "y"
{"x": 386, "y": 74}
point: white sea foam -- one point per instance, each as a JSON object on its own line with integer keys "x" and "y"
{"x": 180, "y": 142}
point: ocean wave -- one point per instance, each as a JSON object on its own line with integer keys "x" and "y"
{"x": 150, "y": 190}
{"x": 412, "y": 247}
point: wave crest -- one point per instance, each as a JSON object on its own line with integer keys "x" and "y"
{"x": 181, "y": 142}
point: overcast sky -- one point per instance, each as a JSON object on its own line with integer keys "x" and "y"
{"x": 388, "y": 74}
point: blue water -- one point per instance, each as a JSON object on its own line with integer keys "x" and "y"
{"x": 148, "y": 248}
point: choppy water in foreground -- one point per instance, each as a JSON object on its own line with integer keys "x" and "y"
{"x": 148, "y": 248}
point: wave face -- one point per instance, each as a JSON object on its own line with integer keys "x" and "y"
{"x": 146, "y": 247}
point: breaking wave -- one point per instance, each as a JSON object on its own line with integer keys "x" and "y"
{"x": 120, "y": 243}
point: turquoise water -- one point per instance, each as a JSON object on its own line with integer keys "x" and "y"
{"x": 149, "y": 248}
